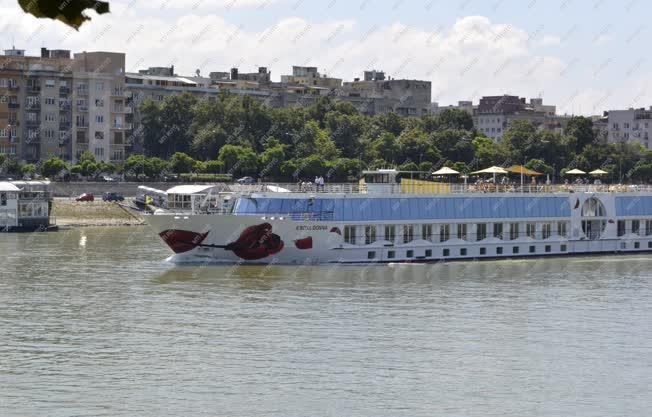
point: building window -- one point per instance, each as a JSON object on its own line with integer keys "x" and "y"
{"x": 515, "y": 249}
{"x": 369, "y": 234}
{"x": 461, "y": 231}
{"x": 49, "y": 117}
{"x": 390, "y": 233}
{"x": 371, "y": 255}
{"x": 531, "y": 230}
{"x": 50, "y": 101}
{"x": 99, "y": 118}
{"x": 49, "y": 83}
{"x": 621, "y": 227}
{"x": 513, "y": 231}
{"x": 408, "y": 233}
{"x": 447, "y": 252}
{"x": 444, "y": 232}
{"x": 99, "y": 152}
{"x": 499, "y": 250}
{"x": 409, "y": 254}
{"x": 426, "y": 232}
{"x": 562, "y": 248}
{"x": 481, "y": 231}
{"x": 99, "y": 86}
{"x": 546, "y": 230}
{"x": 636, "y": 226}
{"x": 49, "y": 134}
{"x": 99, "y": 135}
{"x": 391, "y": 254}
{"x": 498, "y": 230}
{"x": 349, "y": 234}
{"x": 428, "y": 253}
{"x": 99, "y": 102}
{"x": 533, "y": 249}
{"x": 463, "y": 252}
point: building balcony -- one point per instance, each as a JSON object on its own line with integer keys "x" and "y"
{"x": 118, "y": 92}
{"x": 82, "y": 125}
{"x": 65, "y": 107}
{"x": 15, "y": 87}
{"x": 33, "y": 88}
{"x": 118, "y": 110}
{"x": 82, "y": 91}
{"x": 33, "y": 106}
{"x": 64, "y": 90}
{"x": 13, "y": 105}
{"x": 82, "y": 108}
{"x": 65, "y": 126}
{"x": 128, "y": 110}
{"x": 121, "y": 126}
{"x": 32, "y": 123}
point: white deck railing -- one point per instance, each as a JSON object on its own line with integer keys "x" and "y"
{"x": 442, "y": 188}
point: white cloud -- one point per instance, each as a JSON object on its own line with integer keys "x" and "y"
{"x": 472, "y": 57}
{"x": 550, "y": 40}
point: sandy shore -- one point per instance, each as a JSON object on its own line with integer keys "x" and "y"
{"x": 67, "y": 212}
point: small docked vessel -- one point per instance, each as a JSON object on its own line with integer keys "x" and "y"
{"x": 25, "y": 206}
{"x": 386, "y": 219}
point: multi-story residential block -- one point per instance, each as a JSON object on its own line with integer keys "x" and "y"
{"x": 310, "y": 76}
{"x": 381, "y": 95}
{"x": 100, "y": 98}
{"x": 35, "y": 111}
{"x": 631, "y": 125}
{"x": 494, "y": 114}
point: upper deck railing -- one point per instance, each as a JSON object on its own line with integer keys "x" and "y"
{"x": 440, "y": 188}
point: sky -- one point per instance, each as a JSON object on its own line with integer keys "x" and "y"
{"x": 582, "y": 56}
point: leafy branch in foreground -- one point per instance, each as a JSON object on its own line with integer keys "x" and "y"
{"x": 70, "y": 12}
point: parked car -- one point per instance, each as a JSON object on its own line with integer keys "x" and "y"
{"x": 113, "y": 197}
{"x": 246, "y": 180}
{"x": 85, "y": 197}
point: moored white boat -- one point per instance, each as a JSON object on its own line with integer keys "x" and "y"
{"x": 380, "y": 220}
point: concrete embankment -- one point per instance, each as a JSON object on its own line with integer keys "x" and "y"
{"x": 66, "y": 212}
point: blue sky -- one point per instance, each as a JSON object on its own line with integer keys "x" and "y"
{"x": 583, "y": 56}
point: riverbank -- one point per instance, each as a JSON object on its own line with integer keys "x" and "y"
{"x": 96, "y": 213}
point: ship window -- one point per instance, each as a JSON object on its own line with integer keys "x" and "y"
{"x": 498, "y": 230}
{"x": 533, "y": 249}
{"x": 3, "y": 199}
{"x": 513, "y": 231}
{"x": 481, "y": 231}
{"x": 623, "y": 245}
{"x": 483, "y": 251}
{"x": 371, "y": 254}
{"x": 531, "y": 230}
{"x": 369, "y": 234}
{"x": 409, "y": 253}
{"x": 636, "y": 226}
{"x": 463, "y": 252}
{"x": 546, "y": 230}
{"x": 649, "y": 245}
{"x": 390, "y": 233}
{"x": 349, "y": 234}
{"x": 444, "y": 232}
{"x": 391, "y": 254}
{"x": 621, "y": 227}
{"x": 562, "y": 248}
{"x": 447, "y": 252}
{"x": 515, "y": 249}
{"x": 408, "y": 233}
{"x": 637, "y": 245}
{"x": 426, "y": 232}
{"x": 548, "y": 248}
{"x": 499, "y": 250}
{"x": 593, "y": 208}
{"x": 648, "y": 227}
{"x": 428, "y": 253}
{"x": 461, "y": 231}
{"x": 562, "y": 229}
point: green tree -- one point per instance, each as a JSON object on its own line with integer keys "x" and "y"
{"x": 28, "y": 169}
{"x": 238, "y": 160}
{"x": 416, "y": 147}
{"x": 52, "y": 166}
{"x": 181, "y": 163}
{"x": 455, "y": 119}
{"x": 580, "y": 128}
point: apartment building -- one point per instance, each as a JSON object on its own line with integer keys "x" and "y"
{"x": 494, "y": 114}
{"x": 631, "y": 125}
{"x": 35, "y": 110}
{"x": 310, "y": 76}
{"x": 100, "y": 125}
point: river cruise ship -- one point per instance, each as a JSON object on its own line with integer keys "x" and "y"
{"x": 383, "y": 219}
